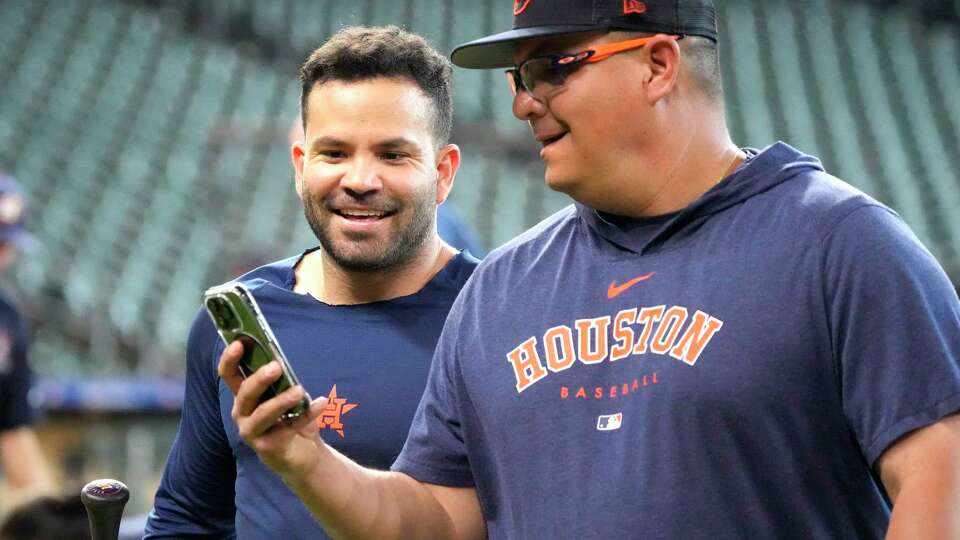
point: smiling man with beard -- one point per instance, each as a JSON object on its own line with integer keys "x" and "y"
{"x": 362, "y": 173}
{"x": 359, "y": 315}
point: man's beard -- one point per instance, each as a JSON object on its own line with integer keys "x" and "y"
{"x": 398, "y": 247}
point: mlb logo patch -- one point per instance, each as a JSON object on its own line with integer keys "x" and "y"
{"x": 609, "y": 422}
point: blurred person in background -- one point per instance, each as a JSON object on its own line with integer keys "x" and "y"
{"x": 47, "y": 518}
{"x": 712, "y": 342}
{"x": 358, "y": 316}
{"x": 24, "y": 466}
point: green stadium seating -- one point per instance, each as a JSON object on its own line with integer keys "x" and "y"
{"x": 157, "y": 158}
{"x": 748, "y": 82}
{"x": 789, "y": 78}
{"x": 939, "y": 183}
{"x": 843, "y": 152}
{"x": 889, "y": 153}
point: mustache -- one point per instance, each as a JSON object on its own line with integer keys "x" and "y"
{"x": 374, "y": 202}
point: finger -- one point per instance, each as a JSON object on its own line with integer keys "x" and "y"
{"x": 317, "y": 406}
{"x": 266, "y": 416}
{"x": 228, "y": 367}
{"x": 306, "y": 424}
{"x": 248, "y": 395}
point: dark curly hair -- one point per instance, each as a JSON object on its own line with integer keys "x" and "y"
{"x": 359, "y": 53}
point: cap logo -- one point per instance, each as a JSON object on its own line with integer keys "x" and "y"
{"x": 634, "y": 6}
{"x": 519, "y": 6}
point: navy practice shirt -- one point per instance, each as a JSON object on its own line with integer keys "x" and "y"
{"x": 15, "y": 375}
{"x": 734, "y": 375}
{"x": 370, "y": 359}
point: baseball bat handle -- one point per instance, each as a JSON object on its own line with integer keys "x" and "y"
{"x": 104, "y": 500}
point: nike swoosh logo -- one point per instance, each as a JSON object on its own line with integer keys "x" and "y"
{"x": 616, "y": 290}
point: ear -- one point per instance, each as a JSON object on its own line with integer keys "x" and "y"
{"x": 298, "y": 154}
{"x": 448, "y": 162}
{"x": 664, "y": 54}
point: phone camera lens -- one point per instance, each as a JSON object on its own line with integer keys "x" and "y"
{"x": 223, "y": 314}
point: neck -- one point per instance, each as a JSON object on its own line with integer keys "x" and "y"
{"x": 319, "y": 275}
{"x": 699, "y": 155}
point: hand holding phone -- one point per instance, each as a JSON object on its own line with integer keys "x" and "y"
{"x": 237, "y": 317}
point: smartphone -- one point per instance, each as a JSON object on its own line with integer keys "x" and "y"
{"x": 237, "y": 316}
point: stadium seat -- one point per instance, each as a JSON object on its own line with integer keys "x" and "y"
{"x": 889, "y": 154}
{"x": 172, "y": 164}
{"x": 748, "y": 81}
{"x": 789, "y": 78}
{"x": 939, "y": 183}
{"x": 844, "y": 150}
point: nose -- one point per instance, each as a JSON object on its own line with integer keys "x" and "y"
{"x": 362, "y": 177}
{"x": 526, "y": 107}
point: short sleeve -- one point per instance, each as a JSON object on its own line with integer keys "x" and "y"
{"x": 894, "y": 319}
{"x": 434, "y": 451}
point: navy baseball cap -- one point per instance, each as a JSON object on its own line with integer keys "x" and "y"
{"x": 13, "y": 206}
{"x": 539, "y": 18}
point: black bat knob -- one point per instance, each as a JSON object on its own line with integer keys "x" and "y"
{"x": 104, "y": 500}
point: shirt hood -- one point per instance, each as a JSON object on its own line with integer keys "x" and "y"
{"x": 763, "y": 170}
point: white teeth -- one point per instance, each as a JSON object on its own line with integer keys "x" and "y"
{"x": 361, "y": 213}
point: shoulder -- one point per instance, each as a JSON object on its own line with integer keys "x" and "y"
{"x": 874, "y": 238}
{"x": 442, "y": 290}
{"x": 203, "y": 339}
{"x": 279, "y": 273}
{"x": 821, "y": 192}
{"x": 816, "y": 202}
{"x": 460, "y": 268}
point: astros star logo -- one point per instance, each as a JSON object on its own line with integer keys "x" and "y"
{"x": 331, "y": 415}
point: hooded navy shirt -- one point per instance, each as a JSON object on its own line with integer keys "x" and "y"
{"x": 370, "y": 359}
{"x": 733, "y": 370}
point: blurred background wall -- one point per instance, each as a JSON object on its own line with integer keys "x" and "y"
{"x": 152, "y": 136}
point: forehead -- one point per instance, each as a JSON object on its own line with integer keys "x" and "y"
{"x": 550, "y": 44}
{"x": 383, "y": 107}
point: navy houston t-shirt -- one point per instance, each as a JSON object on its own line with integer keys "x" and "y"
{"x": 370, "y": 359}
{"x": 735, "y": 374}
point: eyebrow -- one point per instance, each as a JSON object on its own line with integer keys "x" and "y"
{"x": 389, "y": 144}
{"x": 397, "y": 142}
{"x": 326, "y": 142}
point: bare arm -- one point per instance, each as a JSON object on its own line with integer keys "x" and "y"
{"x": 23, "y": 462}
{"x": 351, "y": 502}
{"x": 921, "y": 473}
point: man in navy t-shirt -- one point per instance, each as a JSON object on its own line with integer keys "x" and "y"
{"x": 712, "y": 342}
{"x": 359, "y": 316}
